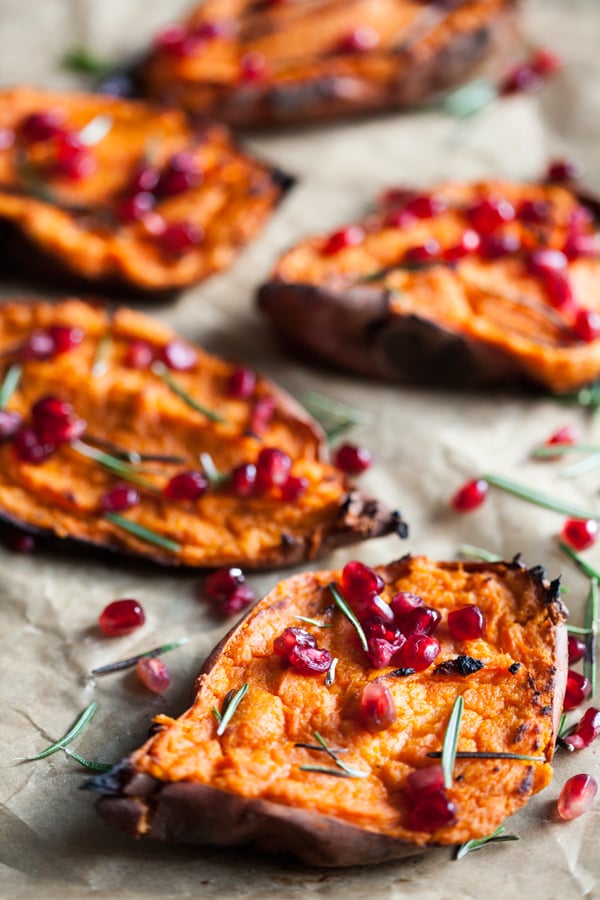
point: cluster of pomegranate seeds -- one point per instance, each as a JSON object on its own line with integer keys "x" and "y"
{"x": 351, "y": 459}
{"x": 578, "y": 690}
{"x": 361, "y": 39}
{"x": 466, "y": 623}
{"x": 119, "y": 498}
{"x": 153, "y": 674}
{"x": 271, "y": 473}
{"x": 253, "y": 67}
{"x": 189, "y": 485}
{"x": 228, "y": 589}
{"x": 530, "y": 76}
{"x": 299, "y": 648}
{"x": 577, "y": 796}
{"x": 430, "y": 807}
{"x": 351, "y": 236}
{"x": 580, "y": 534}
{"x": 470, "y": 495}
{"x": 487, "y": 215}
{"x": 182, "y": 173}
{"x": 587, "y": 730}
{"x": 423, "y": 253}
{"x": 240, "y": 384}
{"x": 53, "y": 423}
{"x": 576, "y": 647}
{"x": 43, "y": 126}
{"x": 586, "y": 325}
{"x": 470, "y": 242}
{"x": 46, "y": 343}
{"x": 177, "y": 356}
{"x": 72, "y": 159}
{"x": 376, "y": 710}
{"x": 262, "y": 414}
{"x": 139, "y": 355}
{"x": 121, "y": 617}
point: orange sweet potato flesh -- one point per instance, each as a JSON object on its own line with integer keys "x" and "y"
{"x": 187, "y": 784}
{"x": 473, "y": 321}
{"x": 307, "y": 71}
{"x": 71, "y": 227}
{"x": 136, "y": 411}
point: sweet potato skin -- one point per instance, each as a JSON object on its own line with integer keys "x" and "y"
{"x": 440, "y": 48}
{"x": 154, "y": 793}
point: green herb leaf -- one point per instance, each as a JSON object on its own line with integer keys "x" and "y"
{"x": 10, "y": 383}
{"x": 92, "y": 764}
{"x": 214, "y": 477}
{"x": 230, "y": 708}
{"x": 133, "y": 660}
{"x": 71, "y": 734}
{"x": 121, "y": 454}
{"x": 115, "y": 465}
{"x": 470, "y": 98}
{"x": 496, "y": 836}
{"x": 345, "y": 609}
{"x": 352, "y": 773}
{"x": 323, "y": 770}
{"x": 100, "y": 363}
{"x": 310, "y": 621}
{"x": 85, "y": 62}
{"x": 143, "y": 533}
{"x": 524, "y": 493}
{"x": 163, "y": 373}
{"x": 579, "y": 561}
{"x": 491, "y": 754}
{"x": 563, "y": 731}
{"x": 550, "y": 451}
{"x": 450, "y": 744}
{"x": 574, "y": 629}
{"x": 591, "y": 623}
{"x": 216, "y": 713}
{"x": 469, "y": 551}
{"x": 334, "y": 417}
{"x": 588, "y": 464}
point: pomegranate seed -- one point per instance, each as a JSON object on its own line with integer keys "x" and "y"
{"x": 360, "y": 581}
{"x": 497, "y": 246}
{"x": 54, "y": 421}
{"x": 154, "y": 674}
{"x": 272, "y": 469}
{"x": 210, "y": 30}
{"x": 360, "y": 40}
{"x": 7, "y": 138}
{"x": 10, "y": 422}
{"x": 578, "y": 245}
{"x": 179, "y": 357}
{"x": 523, "y": 78}
{"x": 243, "y": 479}
{"x": 380, "y": 652}
{"x": 220, "y": 584}
{"x": 400, "y": 218}
{"x": 540, "y": 262}
{"x": 487, "y": 215}
{"x": 565, "y": 435}
{"x": 435, "y": 810}
{"x": 121, "y": 617}
{"x": 470, "y": 495}
{"x": 587, "y": 730}
{"x": 51, "y": 409}
{"x": 373, "y": 605}
{"x": 421, "y": 620}
{"x": 290, "y": 638}
{"x": 352, "y": 460}
{"x": 180, "y": 237}
{"x": 546, "y": 62}
{"x": 376, "y": 627}
{"x": 376, "y": 710}
{"x": 559, "y": 290}
{"x": 19, "y": 541}
{"x": 29, "y": 448}
{"x": 181, "y": 174}
{"x": 341, "y": 240}
{"x": 470, "y": 242}
{"x": 420, "y": 651}
{"x": 466, "y": 624}
{"x": 42, "y": 126}
{"x": 121, "y": 497}
{"x": 73, "y": 160}
{"x": 578, "y": 690}
{"x": 241, "y": 597}
{"x": 294, "y": 488}
{"x": 253, "y": 67}
{"x": 580, "y": 218}
{"x": 576, "y": 648}
{"x": 262, "y": 414}
{"x": 425, "y": 253}
{"x": 175, "y": 41}
{"x": 536, "y": 212}
{"x": 404, "y": 602}
{"x": 139, "y": 355}
{"x": 580, "y": 534}
{"x": 561, "y": 170}
{"x": 39, "y": 345}
{"x": 186, "y": 486}
{"x": 424, "y": 781}
{"x": 309, "y": 660}
{"x": 65, "y": 338}
{"x": 395, "y": 197}
{"x": 587, "y": 325}
{"x": 577, "y": 796}
{"x": 426, "y": 206}
{"x": 144, "y": 179}
{"x": 134, "y": 208}
{"x": 240, "y": 384}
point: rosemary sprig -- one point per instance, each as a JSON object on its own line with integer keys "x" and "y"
{"x": 165, "y": 376}
{"x": 579, "y": 561}
{"x": 525, "y": 493}
{"x": 470, "y": 98}
{"x": 574, "y": 629}
{"x": 335, "y": 418}
{"x": 485, "y": 754}
{"x": 588, "y": 464}
{"x": 10, "y": 383}
{"x": 469, "y": 551}
{"x": 330, "y": 677}
{"x": 352, "y": 773}
{"x": 450, "y": 744}
{"x": 91, "y": 764}
{"x": 323, "y": 770}
{"x": 314, "y": 622}
{"x": 549, "y": 452}
{"x": 345, "y": 609}
{"x": 563, "y": 731}
{"x": 100, "y": 363}
{"x": 132, "y": 456}
{"x": 133, "y": 660}
{"x": 229, "y": 708}
{"x": 114, "y": 465}
{"x": 83, "y": 61}
{"x": 496, "y": 836}
{"x": 591, "y": 623}
{"x": 214, "y": 477}
{"x": 143, "y": 533}
{"x": 70, "y": 736}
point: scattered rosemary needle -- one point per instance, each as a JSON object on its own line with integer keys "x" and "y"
{"x": 345, "y": 609}
{"x": 71, "y": 734}
{"x": 143, "y": 533}
{"x": 84, "y": 61}
{"x": 314, "y": 622}
{"x": 488, "y": 754}
{"x": 350, "y": 772}
{"x": 229, "y": 708}
{"x": 496, "y": 836}
{"x": 133, "y": 660}
{"x": 590, "y": 622}
{"x": 10, "y": 383}
{"x": 117, "y": 466}
{"x": 330, "y": 676}
{"x": 525, "y": 493}
{"x": 323, "y": 770}
{"x": 335, "y": 418}
{"x": 469, "y": 551}
{"x": 214, "y": 477}
{"x": 91, "y": 764}
{"x": 165, "y": 376}
{"x": 450, "y": 744}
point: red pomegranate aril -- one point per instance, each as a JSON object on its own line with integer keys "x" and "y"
{"x": 376, "y": 708}
{"x": 559, "y": 291}
{"x": 420, "y": 651}
{"x": 352, "y": 459}
{"x": 19, "y": 541}
{"x": 581, "y": 218}
{"x": 360, "y": 40}
{"x": 253, "y": 67}
{"x": 470, "y": 495}
{"x": 10, "y": 422}
{"x": 561, "y": 170}
{"x": 587, "y": 730}
{"x": 576, "y": 648}
{"x": 546, "y": 62}
{"x": 42, "y": 126}
{"x": 180, "y": 237}
{"x": 426, "y": 206}
{"x": 121, "y": 617}
{"x": 497, "y": 246}
{"x": 400, "y": 218}
{"x": 310, "y": 660}
{"x": 241, "y": 383}
{"x": 272, "y": 469}
{"x": 424, "y": 253}
{"x": 55, "y": 421}
{"x": 421, "y": 620}
{"x": 487, "y": 215}
{"x": 65, "y": 338}
{"x": 376, "y": 627}
{"x": 342, "y": 239}
{"x": 466, "y": 624}
{"x": 216, "y": 28}
{"x": 523, "y": 78}
{"x": 153, "y": 674}
{"x": 577, "y": 796}
{"x": 7, "y": 138}
{"x": 395, "y": 197}
{"x": 220, "y": 584}
{"x": 175, "y": 41}
{"x": 374, "y": 605}
{"x": 262, "y": 414}
{"x": 239, "y": 599}
{"x": 580, "y": 534}
{"x": 578, "y": 690}
{"x": 294, "y": 488}
{"x": 360, "y": 581}
{"x": 535, "y": 212}
{"x": 39, "y": 345}
{"x": 587, "y": 325}
{"x": 470, "y": 242}
{"x": 405, "y": 602}
{"x": 541, "y": 261}
{"x": 179, "y": 357}
{"x": 578, "y": 245}
{"x": 186, "y": 486}
{"x": 134, "y": 208}
{"x": 424, "y": 781}
{"x": 144, "y": 179}
{"x": 181, "y": 174}
{"x": 243, "y": 480}
{"x": 139, "y": 355}
{"x": 29, "y": 448}
{"x": 434, "y": 811}
{"x": 380, "y": 652}
{"x": 565, "y": 435}
{"x": 290, "y": 638}
{"x": 121, "y": 497}
{"x": 73, "y": 160}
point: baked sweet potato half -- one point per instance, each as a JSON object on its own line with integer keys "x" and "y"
{"x": 298, "y": 740}
{"x": 467, "y": 284}
{"x": 119, "y": 193}
{"x": 261, "y": 63}
{"x": 116, "y": 433}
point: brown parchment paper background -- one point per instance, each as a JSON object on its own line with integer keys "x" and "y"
{"x": 52, "y": 844}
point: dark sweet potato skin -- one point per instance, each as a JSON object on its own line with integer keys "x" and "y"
{"x": 190, "y": 810}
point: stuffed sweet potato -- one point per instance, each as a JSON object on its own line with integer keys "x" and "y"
{"x": 464, "y": 285}
{"x": 119, "y": 193}
{"x": 115, "y": 432}
{"x": 262, "y": 63}
{"x": 300, "y": 740}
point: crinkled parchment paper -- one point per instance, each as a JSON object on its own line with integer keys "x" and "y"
{"x": 426, "y": 443}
